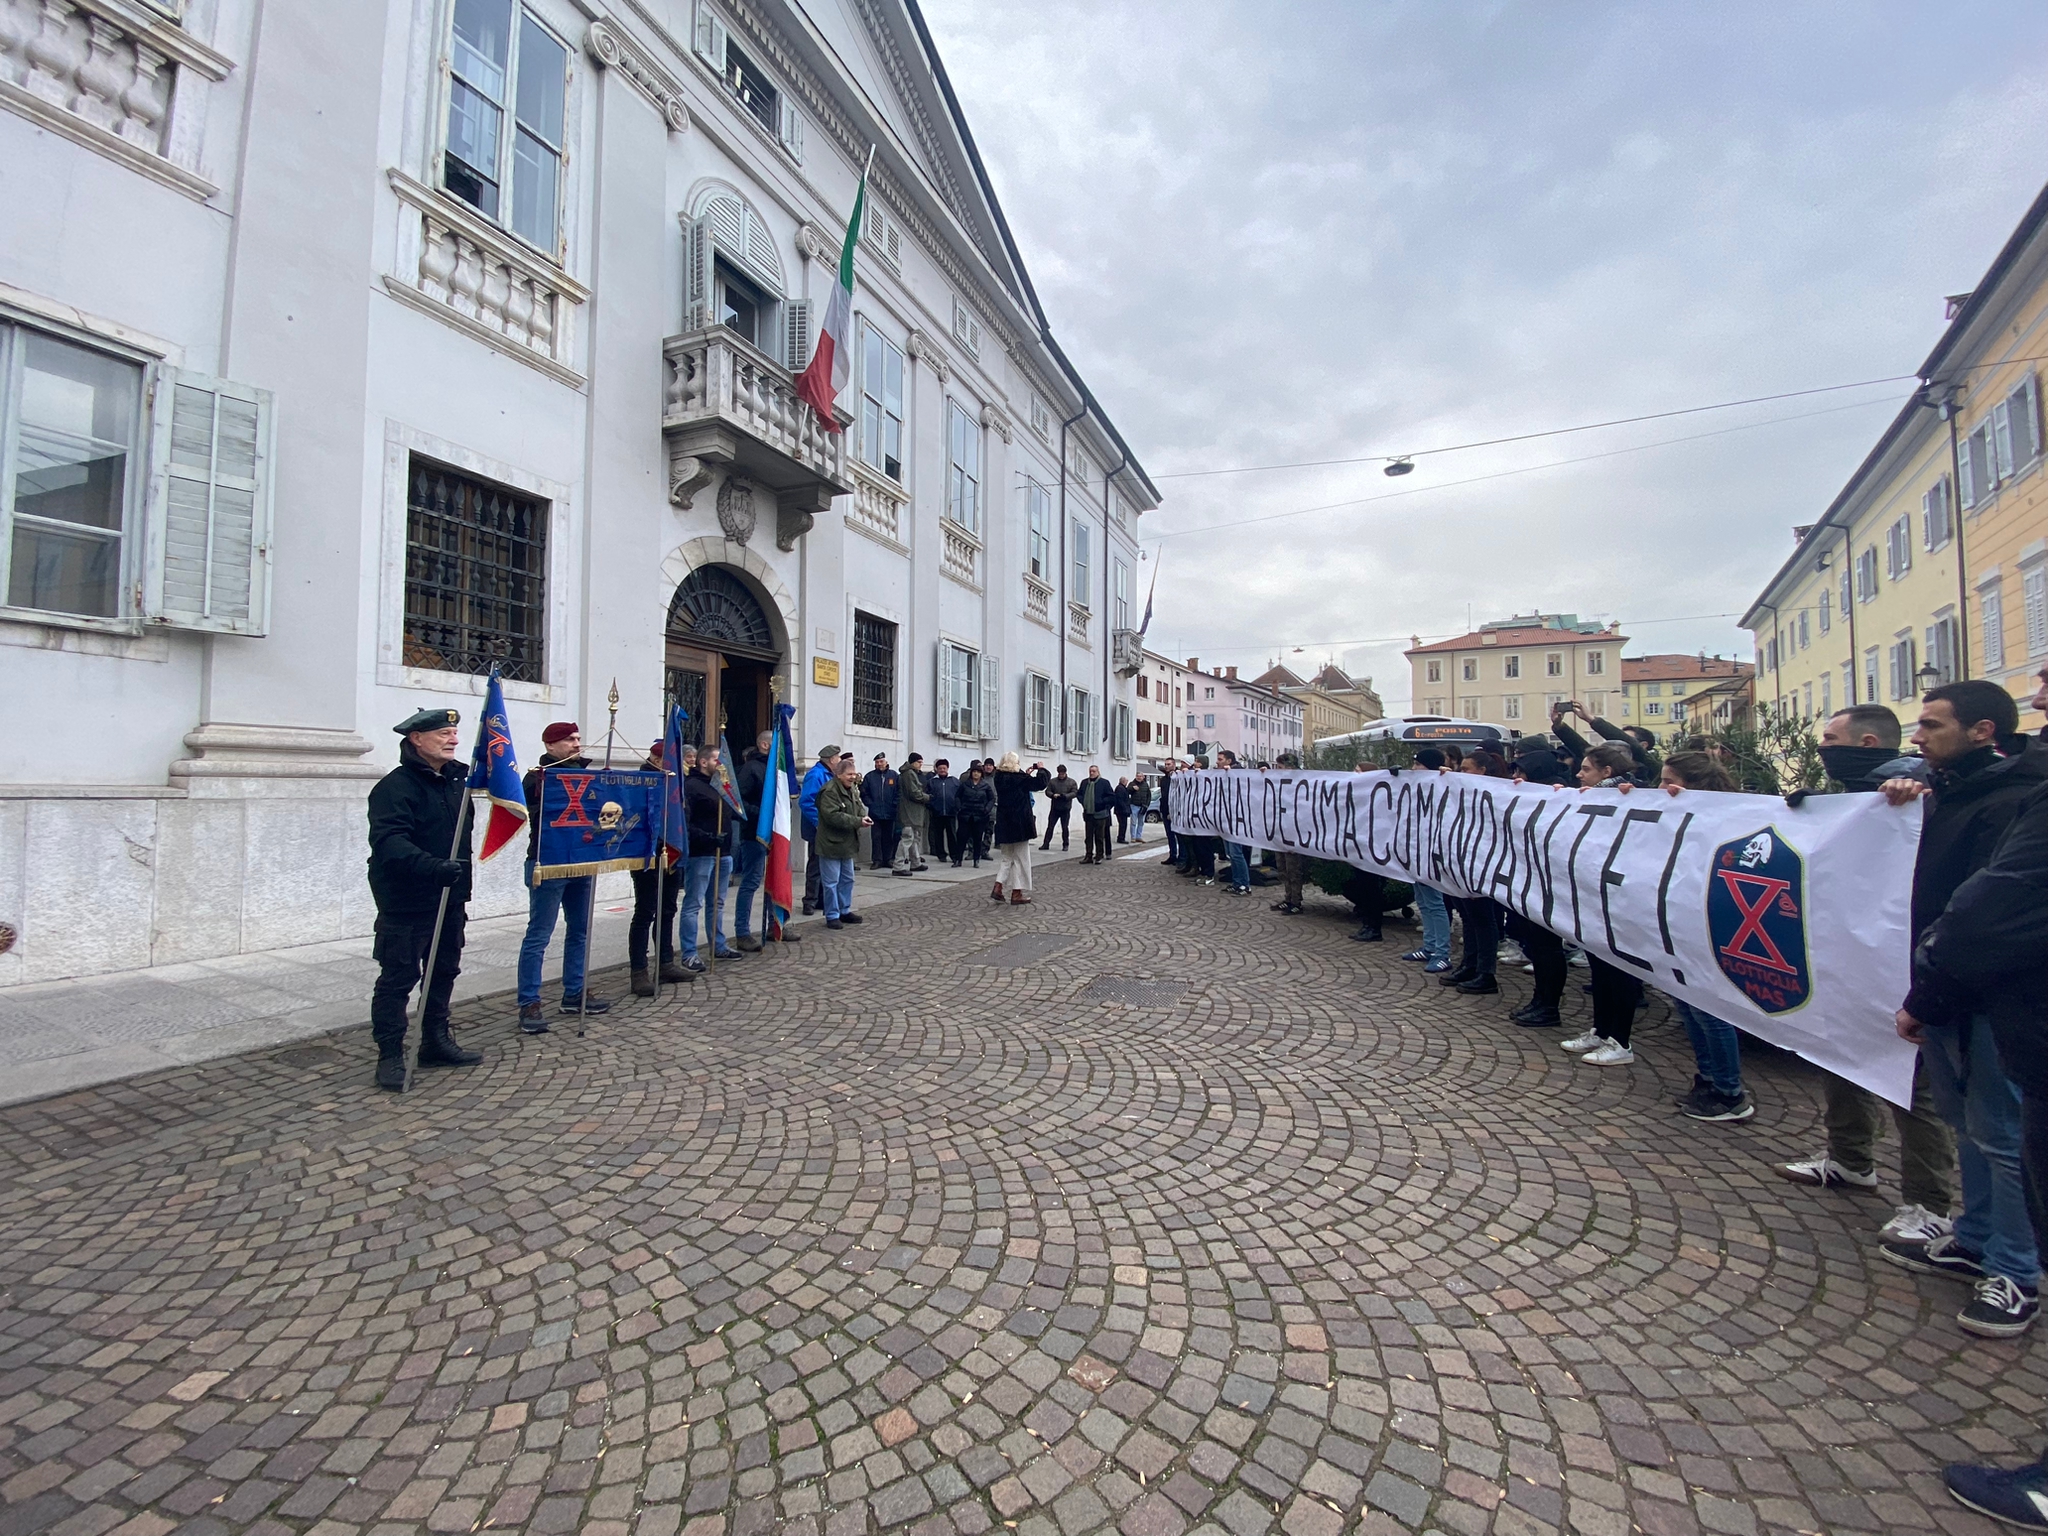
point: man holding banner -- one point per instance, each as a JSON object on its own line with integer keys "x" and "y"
{"x": 571, "y": 899}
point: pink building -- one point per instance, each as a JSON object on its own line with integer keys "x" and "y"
{"x": 1232, "y": 713}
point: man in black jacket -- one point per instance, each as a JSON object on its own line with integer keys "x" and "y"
{"x": 1973, "y": 793}
{"x": 413, "y": 815}
{"x": 1058, "y": 806}
{"x": 1987, "y": 953}
{"x": 942, "y": 834}
{"x": 1642, "y": 746}
{"x": 572, "y": 899}
{"x": 750, "y": 855}
{"x": 709, "y": 866}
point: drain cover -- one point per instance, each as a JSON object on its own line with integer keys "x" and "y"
{"x": 1134, "y": 992}
{"x": 308, "y": 1056}
{"x": 1022, "y": 949}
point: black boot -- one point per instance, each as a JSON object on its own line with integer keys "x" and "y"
{"x": 643, "y": 982}
{"x": 1370, "y": 934}
{"x": 1478, "y": 984}
{"x": 438, "y": 1048}
{"x": 1457, "y": 978}
{"x": 1537, "y": 1015}
{"x": 672, "y": 972}
{"x": 391, "y": 1069}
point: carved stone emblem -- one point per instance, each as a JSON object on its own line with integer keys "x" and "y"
{"x": 736, "y": 509}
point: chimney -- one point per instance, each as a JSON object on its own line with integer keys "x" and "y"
{"x": 1231, "y": 673}
{"x": 1194, "y": 663}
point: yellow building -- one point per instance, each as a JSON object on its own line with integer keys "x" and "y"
{"x": 1932, "y": 562}
{"x": 1510, "y": 671}
{"x": 1655, "y": 689}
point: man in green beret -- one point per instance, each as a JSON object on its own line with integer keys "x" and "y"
{"x": 413, "y": 815}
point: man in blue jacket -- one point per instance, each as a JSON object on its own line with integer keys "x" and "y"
{"x": 943, "y": 834}
{"x": 807, "y": 808}
{"x": 878, "y": 794}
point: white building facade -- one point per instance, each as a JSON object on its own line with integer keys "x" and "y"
{"x": 340, "y": 363}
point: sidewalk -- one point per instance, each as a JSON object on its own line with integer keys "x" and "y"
{"x": 63, "y": 1035}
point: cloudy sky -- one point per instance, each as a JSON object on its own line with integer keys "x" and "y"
{"x": 1272, "y": 233}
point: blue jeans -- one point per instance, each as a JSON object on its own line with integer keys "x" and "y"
{"x": 544, "y": 902}
{"x": 1436, "y": 923}
{"x": 1972, "y": 1093}
{"x": 704, "y": 877}
{"x": 835, "y": 884}
{"x": 750, "y": 864}
{"x": 1240, "y": 866}
{"x": 1716, "y": 1047}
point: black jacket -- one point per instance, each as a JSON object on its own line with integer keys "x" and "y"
{"x": 976, "y": 802}
{"x": 1966, "y": 814}
{"x": 413, "y": 810}
{"x": 1063, "y": 787}
{"x": 710, "y": 816}
{"x": 1649, "y": 766}
{"x": 1097, "y": 797}
{"x": 1014, "y": 820}
{"x": 1988, "y": 951}
{"x": 878, "y": 793}
{"x": 945, "y": 792}
{"x": 752, "y": 775}
{"x": 531, "y": 784}
{"x": 1141, "y": 795}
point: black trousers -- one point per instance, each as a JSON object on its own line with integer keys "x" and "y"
{"x": 1546, "y": 952}
{"x": 1480, "y": 919}
{"x": 942, "y": 838}
{"x": 1123, "y": 826}
{"x": 400, "y": 950}
{"x": 973, "y": 839}
{"x": 643, "y": 914}
{"x": 1615, "y": 995}
{"x": 1056, "y": 816}
{"x": 1205, "y": 856}
{"x": 813, "y": 899}
{"x": 881, "y": 843}
{"x": 1097, "y": 842}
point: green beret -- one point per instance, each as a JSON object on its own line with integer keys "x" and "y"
{"x": 428, "y": 720}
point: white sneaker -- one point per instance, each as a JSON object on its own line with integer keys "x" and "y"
{"x": 1824, "y": 1171}
{"x": 1575, "y": 957}
{"x": 1917, "y": 1224}
{"x": 1590, "y": 1040}
{"x": 1608, "y": 1054}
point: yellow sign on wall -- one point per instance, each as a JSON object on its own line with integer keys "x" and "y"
{"x": 824, "y": 673}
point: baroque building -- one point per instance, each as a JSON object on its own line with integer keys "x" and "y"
{"x": 339, "y": 364}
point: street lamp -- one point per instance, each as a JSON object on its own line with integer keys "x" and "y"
{"x": 1929, "y": 676}
{"x": 1400, "y": 466}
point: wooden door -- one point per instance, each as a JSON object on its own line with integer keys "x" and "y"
{"x": 694, "y": 682}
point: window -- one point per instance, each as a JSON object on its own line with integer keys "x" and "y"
{"x": 1991, "y": 609}
{"x": 966, "y": 328}
{"x": 1903, "y": 659}
{"x": 741, "y": 307}
{"x": 1653, "y": 690}
{"x": 1145, "y": 731}
{"x": 1936, "y": 521}
{"x": 1678, "y": 690}
{"x": 1433, "y": 706}
{"x": 1845, "y": 593}
{"x": 475, "y": 575}
{"x": 1977, "y": 457}
{"x": 749, "y": 83}
{"x": 963, "y": 475}
{"x": 1208, "y": 693}
{"x": 1143, "y": 686}
{"x": 959, "y": 690}
{"x": 1082, "y": 720}
{"x": 1866, "y": 575}
{"x": 1208, "y": 722}
{"x": 1435, "y": 671}
{"x": 1941, "y": 648}
{"x": 2016, "y": 428}
{"x": 1870, "y": 675}
{"x": 1511, "y": 707}
{"x": 1471, "y": 708}
{"x": 1040, "y": 502}
{"x": 1848, "y": 683}
{"x": 1809, "y": 701}
{"x": 1041, "y": 416}
{"x": 1771, "y": 654}
{"x": 1827, "y": 621}
{"x": 1120, "y": 731}
{"x": 881, "y": 404}
{"x": 874, "y": 671}
{"x": 1120, "y": 594}
{"x": 1511, "y": 666}
{"x": 1827, "y": 703}
{"x": 71, "y": 418}
{"x": 1038, "y": 711}
{"x": 1898, "y": 548}
{"x": 501, "y": 62}
{"x": 1805, "y": 631}
{"x": 1470, "y": 670}
{"x": 1653, "y": 709}
{"x": 2034, "y": 598}
{"x": 1624, "y": 706}
{"x": 1553, "y": 665}
{"x": 1596, "y": 663}
{"x": 1081, "y": 563}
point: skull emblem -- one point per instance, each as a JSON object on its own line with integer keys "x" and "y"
{"x": 608, "y": 818}
{"x": 1757, "y": 851}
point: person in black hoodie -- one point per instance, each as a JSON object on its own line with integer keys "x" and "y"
{"x": 750, "y": 854}
{"x": 414, "y": 810}
{"x": 570, "y": 899}
{"x": 975, "y": 811}
{"x": 1972, "y": 795}
{"x": 710, "y": 863}
{"x": 1642, "y": 746}
{"x": 655, "y": 893}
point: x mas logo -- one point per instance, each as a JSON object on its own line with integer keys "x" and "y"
{"x": 1756, "y": 916}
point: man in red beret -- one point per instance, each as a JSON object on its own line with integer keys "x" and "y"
{"x": 563, "y": 747}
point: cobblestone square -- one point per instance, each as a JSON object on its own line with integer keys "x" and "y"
{"x": 1176, "y": 1215}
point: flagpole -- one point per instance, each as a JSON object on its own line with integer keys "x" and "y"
{"x": 611, "y": 731}
{"x": 660, "y": 924}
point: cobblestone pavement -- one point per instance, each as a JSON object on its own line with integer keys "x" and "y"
{"x": 1138, "y": 1209}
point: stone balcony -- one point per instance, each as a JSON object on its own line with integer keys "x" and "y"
{"x": 726, "y": 405}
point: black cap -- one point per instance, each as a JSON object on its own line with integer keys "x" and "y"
{"x": 429, "y": 720}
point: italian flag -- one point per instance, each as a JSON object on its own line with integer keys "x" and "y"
{"x": 831, "y": 356}
{"x": 777, "y": 785}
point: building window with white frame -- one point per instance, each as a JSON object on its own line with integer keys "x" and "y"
{"x": 1941, "y": 647}
{"x": 1866, "y": 576}
{"x": 959, "y": 692}
{"x": 1434, "y": 671}
{"x": 71, "y": 417}
{"x": 508, "y": 85}
{"x": 881, "y": 404}
{"x": 1511, "y": 666}
{"x": 1596, "y": 663}
{"x": 1120, "y": 731}
{"x": 1081, "y": 720}
{"x": 1511, "y": 707}
{"x": 476, "y": 558}
{"x": 1082, "y": 565}
{"x": 874, "y": 672}
{"x": 1826, "y": 610}
{"x": 963, "y": 473}
{"x": 1991, "y": 610}
{"x": 1038, "y": 504}
{"x": 1470, "y": 669}
{"x": 1120, "y": 594}
{"x": 1553, "y": 665}
{"x": 2034, "y": 599}
{"x": 1038, "y": 711}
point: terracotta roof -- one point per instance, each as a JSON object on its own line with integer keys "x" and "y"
{"x": 1508, "y": 639}
{"x": 1336, "y": 680}
{"x": 1657, "y": 669}
{"x": 1277, "y": 676}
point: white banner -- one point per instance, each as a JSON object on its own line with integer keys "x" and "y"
{"x": 1789, "y": 923}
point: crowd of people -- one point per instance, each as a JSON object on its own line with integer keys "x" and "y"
{"x": 1974, "y": 1139}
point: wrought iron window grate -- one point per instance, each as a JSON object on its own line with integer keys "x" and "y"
{"x": 874, "y": 671}
{"x": 475, "y": 575}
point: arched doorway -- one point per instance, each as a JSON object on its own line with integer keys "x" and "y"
{"x": 722, "y": 651}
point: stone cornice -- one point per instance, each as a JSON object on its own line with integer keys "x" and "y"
{"x": 932, "y": 354}
{"x": 997, "y": 420}
{"x": 615, "y": 49}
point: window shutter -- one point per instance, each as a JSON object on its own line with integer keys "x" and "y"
{"x": 796, "y": 327}
{"x": 711, "y": 40}
{"x": 697, "y": 277}
{"x": 2001, "y": 439}
{"x": 941, "y": 690}
{"x": 1905, "y": 527}
{"x": 208, "y": 506}
{"x": 2024, "y": 405}
{"x": 1991, "y": 609}
{"x": 1966, "y": 483}
{"x": 2034, "y": 590}
{"x": 988, "y": 719}
{"x": 792, "y": 134}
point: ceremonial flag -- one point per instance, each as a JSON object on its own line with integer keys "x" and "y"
{"x": 832, "y": 355}
{"x": 728, "y": 791}
{"x": 494, "y": 772}
{"x": 675, "y": 821}
{"x": 777, "y": 785}
{"x": 1148, "y": 595}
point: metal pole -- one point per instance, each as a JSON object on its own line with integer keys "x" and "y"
{"x": 440, "y": 917}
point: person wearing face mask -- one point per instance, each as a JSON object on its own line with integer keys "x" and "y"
{"x": 1860, "y": 747}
